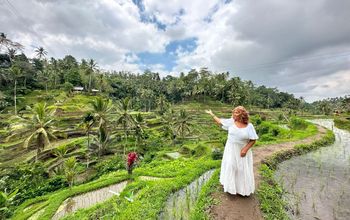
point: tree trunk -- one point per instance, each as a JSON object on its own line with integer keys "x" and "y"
{"x": 87, "y": 156}
{"x": 90, "y": 77}
{"x": 15, "y": 96}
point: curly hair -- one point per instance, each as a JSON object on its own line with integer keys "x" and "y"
{"x": 241, "y": 114}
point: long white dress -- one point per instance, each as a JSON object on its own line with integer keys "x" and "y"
{"x": 236, "y": 173}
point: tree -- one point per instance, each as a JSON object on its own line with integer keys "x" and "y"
{"x": 87, "y": 124}
{"x": 162, "y": 104}
{"x": 183, "y": 124}
{"x": 102, "y": 140}
{"x": 40, "y": 52}
{"x": 38, "y": 128}
{"x": 70, "y": 170}
{"x": 60, "y": 152}
{"x": 92, "y": 67}
{"x": 169, "y": 128}
{"x": 16, "y": 72}
{"x": 125, "y": 118}
{"x": 140, "y": 125}
{"x": 101, "y": 109}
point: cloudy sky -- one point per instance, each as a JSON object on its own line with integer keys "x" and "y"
{"x": 302, "y": 47}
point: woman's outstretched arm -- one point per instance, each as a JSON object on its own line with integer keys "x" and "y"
{"x": 217, "y": 120}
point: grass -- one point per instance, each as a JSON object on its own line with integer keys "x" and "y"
{"x": 205, "y": 200}
{"x": 342, "y": 123}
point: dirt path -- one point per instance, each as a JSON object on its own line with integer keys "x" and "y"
{"x": 233, "y": 207}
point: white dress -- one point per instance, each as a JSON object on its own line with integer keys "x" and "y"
{"x": 236, "y": 173}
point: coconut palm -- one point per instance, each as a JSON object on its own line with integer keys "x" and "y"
{"x": 87, "y": 124}
{"x": 101, "y": 109}
{"x": 38, "y": 128}
{"x": 92, "y": 67}
{"x": 40, "y": 52}
{"x": 182, "y": 124}
{"x": 169, "y": 127}
{"x": 140, "y": 125}
{"x": 125, "y": 118}
{"x": 16, "y": 72}
{"x": 162, "y": 104}
{"x": 101, "y": 141}
{"x": 70, "y": 170}
{"x": 60, "y": 152}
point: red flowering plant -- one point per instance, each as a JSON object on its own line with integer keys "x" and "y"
{"x": 132, "y": 157}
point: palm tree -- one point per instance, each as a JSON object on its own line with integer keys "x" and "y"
{"x": 182, "y": 124}
{"x": 40, "y": 52}
{"x": 162, "y": 104}
{"x": 87, "y": 124}
{"x": 139, "y": 129}
{"x": 60, "y": 152}
{"x": 169, "y": 127}
{"x": 101, "y": 109}
{"x": 102, "y": 140}
{"x": 70, "y": 170}
{"x": 9, "y": 44}
{"x": 11, "y": 52}
{"x": 16, "y": 72}
{"x": 38, "y": 128}
{"x": 125, "y": 118}
{"x": 92, "y": 67}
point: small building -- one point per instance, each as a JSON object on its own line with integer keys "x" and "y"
{"x": 95, "y": 91}
{"x": 78, "y": 89}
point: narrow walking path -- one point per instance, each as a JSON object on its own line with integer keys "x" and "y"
{"x": 232, "y": 207}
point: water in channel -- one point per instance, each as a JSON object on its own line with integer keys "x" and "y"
{"x": 318, "y": 183}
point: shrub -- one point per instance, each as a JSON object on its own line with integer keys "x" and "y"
{"x": 200, "y": 150}
{"x": 216, "y": 154}
{"x": 185, "y": 150}
{"x": 297, "y": 124}
{"x": 112, "y": 164}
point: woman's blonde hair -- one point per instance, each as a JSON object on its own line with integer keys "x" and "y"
{"x": 241, "y": 114}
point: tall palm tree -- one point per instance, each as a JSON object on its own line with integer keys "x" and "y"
{"x": 40, "y": 52}
{"x": 38, "y": 128}
{"x": 16, "y": 72}
{"x": 140, "y": 125}
{"x": 182, "y": 124}
{"x": 92, "y": 67}
{"x": 162, "y": 104}
{"x": 101, "y": 109}
{"x": 102, "y": 141}
{"x": 11, "y": 52}
{"x": 125, "y": 118}
{"x": 9, "y": 44}
{"x": 87, "y": 124}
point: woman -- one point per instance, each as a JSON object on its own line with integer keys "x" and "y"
{"x": 236, "y": 173}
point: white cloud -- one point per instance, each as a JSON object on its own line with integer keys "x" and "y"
{"x": 269, "y": 42}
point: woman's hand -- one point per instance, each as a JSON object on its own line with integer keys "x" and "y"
{"x": 244, "y": 151}
{"x": 209, "y": 112}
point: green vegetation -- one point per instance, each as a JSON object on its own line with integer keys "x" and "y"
{"x": 342, "y": 123}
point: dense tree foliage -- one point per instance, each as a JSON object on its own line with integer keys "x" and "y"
{"x": 147, "y": 91}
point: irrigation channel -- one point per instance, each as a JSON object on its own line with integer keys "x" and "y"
{"x": 180, "y": 204}
{"x": 317, "y": 184}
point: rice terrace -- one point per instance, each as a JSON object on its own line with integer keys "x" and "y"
{"x": 119, "y": 109}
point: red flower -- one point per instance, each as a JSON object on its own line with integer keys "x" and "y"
{"x": 132, "y": 157}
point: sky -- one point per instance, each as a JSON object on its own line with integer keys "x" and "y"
{"x": 300, "y": 46}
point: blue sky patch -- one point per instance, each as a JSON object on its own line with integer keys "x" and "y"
{"x": 169, "y": 57}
